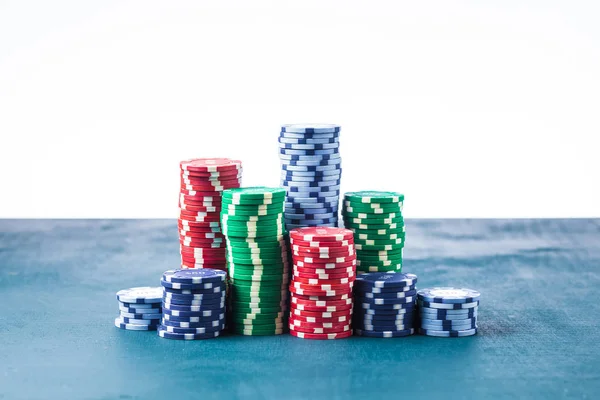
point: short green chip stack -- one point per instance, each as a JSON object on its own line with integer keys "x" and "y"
{"x": 378, "y": 225}
{"x": 257, "y": 259}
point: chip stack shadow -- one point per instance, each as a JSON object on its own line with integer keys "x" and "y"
{"x": 311, "y": 172}
{"x": 378, "y": 225}
{"x": 202, "y": 243}
{"x": 257, "y": 259}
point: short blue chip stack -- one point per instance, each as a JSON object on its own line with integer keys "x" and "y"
{"x": 311, "y": 171}
{"x": 193, "y": 304}
{"x": 384, "y": 304}
{"x": 448, "y": 311}
{"x": 140, "y": 308}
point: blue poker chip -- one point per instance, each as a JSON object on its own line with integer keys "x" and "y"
{"x": 207, "y": 298}
{"x": 134, "y": 321}
{"x": 140, "y": 295}
{"x": 195, "y": 276}
{"x": 384, "y": 280}
{"x": 308, "y": 152}
{"x": 308, "y": 206}
{"x": 304, "y": 195}
{"x": 289, "y": 176}
{"x": 439, "y": 333}
{"x": 366, "y": 308}
{"x": 216, "y": 326}
{"x": 314, "y": 199}
{"x": 139, "y": 306}
{"x": 140, "y": 316}
{"x": 403, "y": 315}
{"x": 323, "y": 191}
{"x": 386, "y": 300}
{"x": 380, "y": 305}
{"x": 385, "y": 334}
{"x": 187, "y": 314}
{"x": 309, "y": 146}
{"x": 134, "y": 327}
{"x": 192, "y": 325}
{"x": 310, "y": 213}
{"x": 310, "y": 128}
{"x": 449, "y": 325}
{"x": 140, "y": 311}
{"x": 448, "y": 315}
{"x": 310, "y": 157}
{"x": 286, "y": 164}
{"x": 320, "y": 185}
{"x": 384, "y": 328}
{"x": 186, "y": 336}
{"x": 215, "y": 291}
{"x": 443, "y": 306}
{"x": 310, "y": 140}
{"x": 304, "y": 173}
{"x": 289, "y": 227}
{"x": 305, "y": 136}
{"x": 218, "y": 314}
{"x": 449, "y": 295}
{"x": 206, "y": 288}
{"x": 169, "y": 303}
{"x": 387, "y": 294}
{"x": 311, "y": 221}
{"x": 384, "y": 322}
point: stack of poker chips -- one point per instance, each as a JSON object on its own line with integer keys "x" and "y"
{"x": 193, "y": 304}
{"x": 324, "y": 267}
{"x": 202, "y": 181}
{"x": 448, "y": 311}
{"x": 378, "y": 226}
{"x": 384, "y": 304}
{"x": 257, "y": 259}
{"x": 311, "y": 173}
{"x": 140, "y": 308}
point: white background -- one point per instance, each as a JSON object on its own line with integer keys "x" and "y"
{"x": 470, "y": 108}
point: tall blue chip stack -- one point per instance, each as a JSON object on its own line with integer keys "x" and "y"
{"x": 311, "y": 171}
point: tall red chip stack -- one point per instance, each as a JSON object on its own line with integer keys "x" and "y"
{"x": 324, "y": 270}
{"x": 203, "y": 180}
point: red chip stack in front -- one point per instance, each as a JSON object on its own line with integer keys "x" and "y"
{"x": 324, "y": 263}
{"x": 203, "y": 180}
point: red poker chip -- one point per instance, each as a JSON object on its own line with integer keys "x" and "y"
{"x": 198, "y": 210}
{"x": 327, "y": 325}
{"x": 336, "y": 329}
{"x": 201, "y": 261}
{"x": 210, "y": 164}
{"x": 301, "y": 262}
{"x": 206, "y": 186}
{"x": 198, "y": 217}
{"x": 324, "y": 255}
{"x": 201, "y": 234}
{"x": 199, "y": 237}
{"x": 344, "y": 296}
{"x": 206, "y": 254}
{"x": 214, "y": 175}
{"x": 322, "y": 249}
{"x": 198, "y": 201}
{"x": 317, "y": 292}
{"x": 342, "y": 304}
{"x": 325, "y": 287}
{"x": 320, "y": 314}
{"x": 205, "y": 197}
{"x": 204, "y": 245}
{"x": 220, "y": 267}
{"x": 329, "y": 245}
{"x": 317, "y": 259}
{"x": 321, "y": 234}
{"x": 333, "y": 320}
{"x": 321, "y": 336}
{"x": 318, "y": 281}
{"x": 324, "y": 274}
{"x": 207, "y": 227}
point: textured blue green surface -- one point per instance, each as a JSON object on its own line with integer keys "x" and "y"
{"x": 539, "y": 331}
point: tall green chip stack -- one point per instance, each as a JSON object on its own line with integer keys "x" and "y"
{"x": 257, "y": 259}
{"x": 378, "y": 225}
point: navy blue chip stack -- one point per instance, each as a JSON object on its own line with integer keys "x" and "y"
{"x": 311, "y": 173}
{"x": 384, "y": 304}
{"x": 139, "y": 308}
{"x": 193, "y": 304}
{"x": 448, "y": 311}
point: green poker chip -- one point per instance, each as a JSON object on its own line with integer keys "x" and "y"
{"x": 368, "y": 196}
{"x": 369, "y": 216}
{"x": 369, "y": 233}
{"x": 249, "y": 308}
{"x": 254, "y": 193}
{"x": 372, "y": 208}
{"x": 246, "y": 211}
{"x": 378, "y": 263}
{"x": 360, "y": 237}
{"x": 390, "y": 242}
{"x": 243, "y": 219}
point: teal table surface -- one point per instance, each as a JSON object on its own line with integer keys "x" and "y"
{"x": 539, "y": 333}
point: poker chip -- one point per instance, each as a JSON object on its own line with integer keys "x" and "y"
{"x": 193, "y": 304}
{"x": 203, "y": 181}
{"x": 448, "y": 311}
{"x": 378, "y": 226}
{"x": 257, "y": 259}
{"x": 384, "y": 304}
{"x": 310, "y": 173}
{"x": 139, "y": 308}
{"x": 323, "y": 274}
